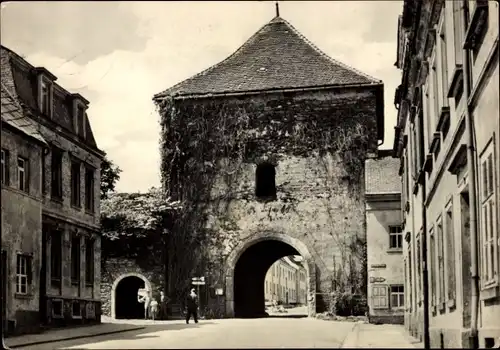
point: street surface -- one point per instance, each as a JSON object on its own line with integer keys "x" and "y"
{"x": 226, "y": 333}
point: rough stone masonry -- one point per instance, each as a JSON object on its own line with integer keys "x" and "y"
{"x": 317, "y": 143}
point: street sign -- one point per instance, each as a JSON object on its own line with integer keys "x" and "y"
{"x": 219, "y": 291}
{"x": 198, "y": 283}
{"x": 198, "y": 279}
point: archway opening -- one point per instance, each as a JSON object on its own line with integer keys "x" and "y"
{"x": 250, "y": 279}
{"x": 126, "y": 304}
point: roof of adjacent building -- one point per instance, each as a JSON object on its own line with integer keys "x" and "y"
{"x": 276, "y": 57}
{"x": 13, "y": 116}
{"x": 19, "y": 78}
{"x": 381, "y": 174}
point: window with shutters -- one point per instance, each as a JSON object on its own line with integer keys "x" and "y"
{"x": 450, "y": 251}
{"x": 440, "y": 262}
{"x": 432, "y": 266}
{"x": 56, "y": 186}
{"x": 5, "y": 167}
{"x": 489, "y": 223}
{"x": 23, "y": 274}
{"x": 380, "y": 299}
{"x": 23, "y": 174}
{"x": 89, "y": 261}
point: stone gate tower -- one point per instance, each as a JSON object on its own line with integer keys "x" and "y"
{"x": 267, "y": 148}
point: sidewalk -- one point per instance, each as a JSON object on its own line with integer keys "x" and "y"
{"x": 380, "y": 336}
{"x": 55, "y": 335}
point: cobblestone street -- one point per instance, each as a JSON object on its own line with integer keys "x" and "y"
{"x": 244, "y": 333}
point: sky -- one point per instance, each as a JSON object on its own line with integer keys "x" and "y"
{"x": 119, "y": 54}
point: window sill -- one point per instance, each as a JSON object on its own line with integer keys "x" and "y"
{"x": 395, "y": 250}
{"x": 89, "y": 284}
{"x": 23, "y": 296}
{"x": 75, "y": 283}
{"x": 89, "y": 212}
{"x": 57, "y": 316}
{"x": 76, "y": 317}
{"x": 58, "y": 200}
{"x": 490, "y": 292}
{"x": 76, "y": 207}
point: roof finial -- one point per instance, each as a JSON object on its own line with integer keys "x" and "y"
{"x": 277, "y": 9}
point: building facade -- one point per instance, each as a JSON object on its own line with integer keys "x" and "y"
{"x": 286, "y": 176}
{"x": 22, "y": 149}
{"x": 69, "y": 181}
{"x": 447, "y": 137}
{"x": 285, "y": 282}
{"x": 384, "y": 239}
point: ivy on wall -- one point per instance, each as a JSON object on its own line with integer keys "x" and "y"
{"x": 205, "y": 141}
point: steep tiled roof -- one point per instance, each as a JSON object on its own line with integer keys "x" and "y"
{"x": 276, "y": 57}
{"x": 13, "y": 115}
{"x": 19, "y": 78}
{"x": 381, "y": 175}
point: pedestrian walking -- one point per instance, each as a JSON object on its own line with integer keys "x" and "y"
{"x": 143, "y": 297}
{"x": 154, "y": 309}
{"x": 163, "y": 306}
{"x": 192, "y": 307}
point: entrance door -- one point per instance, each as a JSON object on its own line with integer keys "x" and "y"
{"x": 4, "y": 290}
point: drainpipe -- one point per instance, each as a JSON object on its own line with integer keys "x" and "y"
{"x": 471, "y": 156}
{"x": 425, "y": 270}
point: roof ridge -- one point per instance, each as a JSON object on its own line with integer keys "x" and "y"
{"x": 333, "y": 60}
{"x": 163, "y": 93}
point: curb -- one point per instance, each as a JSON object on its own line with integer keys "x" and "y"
{"x": 351, "y": 338}
{"x": 73, "y": 338}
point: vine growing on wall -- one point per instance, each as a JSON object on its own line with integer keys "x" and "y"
{"x": 207, "y": 144}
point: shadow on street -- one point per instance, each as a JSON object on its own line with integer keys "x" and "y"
{"x": 128, "y": 335}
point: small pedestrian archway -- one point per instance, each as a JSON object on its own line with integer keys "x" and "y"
{"x": 246, "y": 270}
{"x": 124, "y": 304}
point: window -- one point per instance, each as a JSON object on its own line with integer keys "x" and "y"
{"x": 55, "y": 257}
{"x": 410, "y": 276}
{"x": 440, "y": 260}
{"x": 458, "y": 30}
{"x": 265, "y": 181}
{"x": 89, "y": 261}
{"x": 75, "y": 260}
{"x": 379, "y": 297}
{"x": 418, "y": 271}
{"x": 89, "y": 189}
{"x": 56, "y": 174}
{"x": 57, "y": 308}
{"x": 414, "y": 150}
{"x": 432, "y": 266}
{"x": 450, "y": 251}
{"x": 45, "y": 99}
{"x": 489, "y": 222}
{"x": 22, "y": 174}
{"x": 23, "y": 274}
{"x": 395, "y": 237}
{"x": 428, "y": 117}
{"x": 76, "y": 309}
{"x": 75, "y": 183}
{"x": 443, "y": 62}
{"x": 44, "y": 185}
{"x": 5, "y": 167}
{"x": 397, "y": 297}
{"x": 81, "y": 120}
{"x": 435, "y": 93}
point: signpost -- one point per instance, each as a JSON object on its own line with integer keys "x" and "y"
{"x": 198, "y": 281}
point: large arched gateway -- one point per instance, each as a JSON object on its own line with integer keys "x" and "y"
{"x": 124, "y": 304}
{"x": 247, "y": 267}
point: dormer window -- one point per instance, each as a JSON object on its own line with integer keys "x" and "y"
{"x": 45, "y": 91}
{"x": 45, "y": 98}
{"x": 79, "y": 120}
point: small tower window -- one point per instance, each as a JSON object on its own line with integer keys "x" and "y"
{"x": 265, "y": 182}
